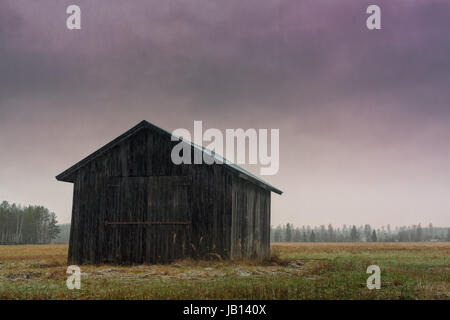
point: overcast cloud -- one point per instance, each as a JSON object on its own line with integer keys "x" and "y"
{"x": 363, "y": 115}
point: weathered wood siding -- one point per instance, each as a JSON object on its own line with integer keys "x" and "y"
{"x": 250, "y": 229}
{"x": 137, "y": 181}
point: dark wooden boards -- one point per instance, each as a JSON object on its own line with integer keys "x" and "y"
{"x": 135, "y": 182}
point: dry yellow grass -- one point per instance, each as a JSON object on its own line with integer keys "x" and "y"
{"x": 358, "y": 247}
{"x": 54, "y": 252}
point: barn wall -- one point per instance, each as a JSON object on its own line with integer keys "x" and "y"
{"x": 250, "y": 230}
{"x": 115, "y": 185}
{"x": 211, "y": 208}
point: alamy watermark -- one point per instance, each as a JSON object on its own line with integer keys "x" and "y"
{"x": 74, "y": 280}
{"x": 374, "y": 281}
{"x": 73, "y": 20}
{"x": 235, "y": 147}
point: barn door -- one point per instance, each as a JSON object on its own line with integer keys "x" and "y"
{"x": 168, "y": 208}
{"x": 147, "y": 219}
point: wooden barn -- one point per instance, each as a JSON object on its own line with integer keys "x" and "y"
{"x": 132, "y": 205}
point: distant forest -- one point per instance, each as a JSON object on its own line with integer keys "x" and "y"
{"x": 414, "y": 233}
{"x": 37, "y": 225}
{"x": 288, "y": 233}
{"x": 27, "y": 225}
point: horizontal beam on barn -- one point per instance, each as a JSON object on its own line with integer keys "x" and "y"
{"x": 147, "y": 223}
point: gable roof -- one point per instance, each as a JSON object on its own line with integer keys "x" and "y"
{"x": 242, "y": 173}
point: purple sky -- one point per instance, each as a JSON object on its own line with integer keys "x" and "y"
{"x": 363, "y": 115}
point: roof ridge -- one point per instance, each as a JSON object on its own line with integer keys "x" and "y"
{"x": 145, "y": 123}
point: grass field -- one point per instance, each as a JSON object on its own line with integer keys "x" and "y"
{"x": 296, "y": 271}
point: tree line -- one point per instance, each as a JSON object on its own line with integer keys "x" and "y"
{"x": 353, "y": 233}
{"x": 37, "y": 225}
{"x": 27, "y": 225}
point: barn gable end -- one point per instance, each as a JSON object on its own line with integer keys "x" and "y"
{"x": 131, "y": 205}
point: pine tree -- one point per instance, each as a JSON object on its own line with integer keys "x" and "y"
{"x": 288, "y": 233}
{"x": 367, "y": 232}
{"x": 354, "y": 234}
{"x": 53, "y": 228}
{"x": 374, "y": 236}
{"x": 277, "y": 234}
{"x": 418, "y": 235}
{"x": 297, "y": 235}
{"x": 430, "y": 231}
{"x": 331, "y": 234}
{"x": 312, "y": 237}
